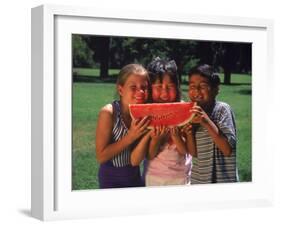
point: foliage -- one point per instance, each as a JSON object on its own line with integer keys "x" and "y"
{"x": 82, "y": 54}
{"x": 115, "y": 52}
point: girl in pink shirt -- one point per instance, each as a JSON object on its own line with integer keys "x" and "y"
{"x": 168, "y": 160}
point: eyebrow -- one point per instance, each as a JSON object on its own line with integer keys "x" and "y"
{"x": 199, "y": 83}
{"x": 160, "y": 84}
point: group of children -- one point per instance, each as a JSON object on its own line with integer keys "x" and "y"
{"x": 203, "y": 151}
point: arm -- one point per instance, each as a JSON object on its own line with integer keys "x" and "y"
{"x": 219, "y": 139}
{"x": 139, "y": 152}
{"x": 158, "y": 136}
{"x": 106, "y": 150}
{"x": 190, "y": 139}
{"x": 177, "y": 139}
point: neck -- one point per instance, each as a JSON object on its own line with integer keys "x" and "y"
{"x": 125, "y": 113}
{"x": 209, "y": 107}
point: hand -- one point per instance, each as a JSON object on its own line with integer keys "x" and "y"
{"x": 138, "y": 127}
{"x": 159, "y": 133}
{"x": 175, "y": 134}
{"x": 201, "y": 116}
{"x": 187, "y": 129}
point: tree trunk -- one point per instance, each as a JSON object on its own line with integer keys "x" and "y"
{"x": 180, "y": 72}
{"x": 227, "y": 76}
{"x": 104, "y": 57}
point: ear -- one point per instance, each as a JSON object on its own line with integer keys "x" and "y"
{"x": 120, "y": 90}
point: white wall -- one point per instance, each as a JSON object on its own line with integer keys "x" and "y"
{"x": 15, "y": 111}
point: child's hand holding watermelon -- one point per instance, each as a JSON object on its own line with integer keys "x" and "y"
{"x": 200, "y": 116}
{"x": 158, "y": 136}
{"x": 159, "y": 133}
{"x": 138, "y": 127}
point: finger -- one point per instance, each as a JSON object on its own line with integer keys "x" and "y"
{"x": 143, "y": 121}
{"x": 165, "y": 130}
{"x": 196, "y": 111}
{"x": 156, "y": 130}
{"x": 135, "y": 121}
{"x": 197, "y": 107}
{"x": 144, "y": 126}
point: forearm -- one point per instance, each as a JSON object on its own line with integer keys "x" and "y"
{"x": 153, "y": 148}
{"x": 191, "y": 145}
{"x": 218, "y": 138}
{"x": 111, "y": 150}
{"x": 139, "y": 152}
{"x": 181, "y": 146}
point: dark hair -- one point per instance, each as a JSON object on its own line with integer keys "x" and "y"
{"x": 158, "y": 68}
{"x": 208, "y": 72}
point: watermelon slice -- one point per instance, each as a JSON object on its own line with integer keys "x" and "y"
{"x": 165, "y": 114}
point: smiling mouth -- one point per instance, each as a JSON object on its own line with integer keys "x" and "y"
{"x": 139, "y": 99}
{"x": 198, "y": 99}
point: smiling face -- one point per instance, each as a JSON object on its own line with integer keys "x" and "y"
{"x": 200, "y": 90}
{"x": 165, "y": 91}
{"x": 134, "y": 90}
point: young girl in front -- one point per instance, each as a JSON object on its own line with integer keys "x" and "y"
{"x": 169, "y": 162}
{"x": 117, "y": 133}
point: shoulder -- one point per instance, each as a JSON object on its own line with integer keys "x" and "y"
{"x": 106, "y": 111}
{"x": 105, "y": 118}
{"x": 222, "y": 104}
{"x": 107, "y": 108}
{"x": 223, "y": 107}
{"x": 223, "y": 112}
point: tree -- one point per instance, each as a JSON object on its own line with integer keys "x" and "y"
{"x": 183, "y": 52}
{"x": 230, "y": 56}
{"x": 100, "y": 45}
{"x": 82, "y": 55}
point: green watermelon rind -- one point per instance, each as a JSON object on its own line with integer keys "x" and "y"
{"x": 178, "y": 125}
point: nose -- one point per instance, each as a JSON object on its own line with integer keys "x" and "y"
{"x": 141, "y": 90}
{"x": 196, "y": 89}
{"x": 164, "y": 93}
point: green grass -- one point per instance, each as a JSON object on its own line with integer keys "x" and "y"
{"x": 88, "y": 98}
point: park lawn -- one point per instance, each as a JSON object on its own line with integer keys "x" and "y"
{"x": 88, "y": 98}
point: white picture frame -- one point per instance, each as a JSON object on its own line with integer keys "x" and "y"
{"x": 52, "y": 196}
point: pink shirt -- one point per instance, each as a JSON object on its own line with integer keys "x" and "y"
{"x": 169, "y": 163}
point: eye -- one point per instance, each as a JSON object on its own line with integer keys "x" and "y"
{"x": 144, "y": 88}
{"x": 157, "y": 87}
{"x": 171, "y": 87}
{"x": 204, "y": 87}
{"x": 133, "y": 87}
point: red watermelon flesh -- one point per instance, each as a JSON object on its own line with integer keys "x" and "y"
{"x": 163, "y": 114}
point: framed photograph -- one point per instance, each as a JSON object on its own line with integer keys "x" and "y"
{"x": 70, "y": 85}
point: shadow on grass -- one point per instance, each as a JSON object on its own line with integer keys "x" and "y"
{"x": 92, "y": 79}
{"x": 245, "y": 92}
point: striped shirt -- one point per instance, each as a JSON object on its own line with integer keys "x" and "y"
{"x": 210, "y": 165}
{"x": 118, "y": 132}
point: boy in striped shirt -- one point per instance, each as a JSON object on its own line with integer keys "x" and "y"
{"x": 214, "y": 160}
